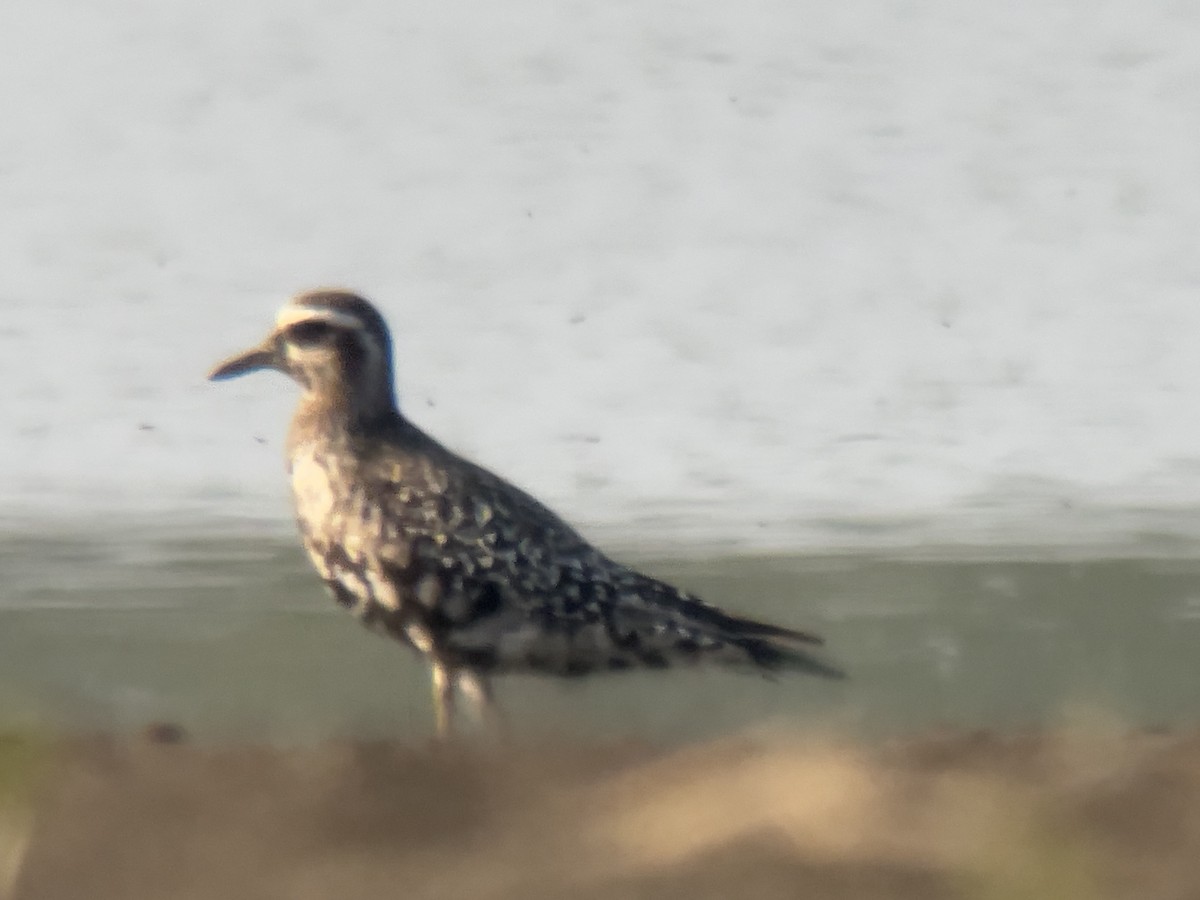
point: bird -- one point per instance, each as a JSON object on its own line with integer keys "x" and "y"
{"x": 454, "y": 561}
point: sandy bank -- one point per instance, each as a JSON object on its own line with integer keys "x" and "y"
{"x": 1079, "y": 812}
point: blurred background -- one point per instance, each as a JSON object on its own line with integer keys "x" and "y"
{"x": 876, "y": 317}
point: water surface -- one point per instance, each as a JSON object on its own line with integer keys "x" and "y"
{"x": 234, "y": 636}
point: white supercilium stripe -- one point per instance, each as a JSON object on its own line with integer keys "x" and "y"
{"x": 290, "y": 315}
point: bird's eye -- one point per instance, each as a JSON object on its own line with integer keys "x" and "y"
{"x": 310, "y": 332}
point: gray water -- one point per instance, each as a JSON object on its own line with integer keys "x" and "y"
{"x": 233, "y": 636}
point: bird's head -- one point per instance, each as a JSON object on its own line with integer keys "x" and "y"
{"x": 334, "y": 344}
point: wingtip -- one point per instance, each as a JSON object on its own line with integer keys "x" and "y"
{"x": 804, "y": 663}
{"x": 804, "y": 637}
{"x": 774, "y": 658}
{"x": 779, "y": 632}
{"x": 833, "y": 673}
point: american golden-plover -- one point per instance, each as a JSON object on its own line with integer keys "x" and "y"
{"x": 449, "y": 558}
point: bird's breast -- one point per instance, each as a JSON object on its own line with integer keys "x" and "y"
{"x": 344, "y": 533}
{"x": 334, "y": 506}
{"x": 319, "y": 483}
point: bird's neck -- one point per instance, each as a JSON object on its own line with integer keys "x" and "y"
{"x": 336, "y": 408}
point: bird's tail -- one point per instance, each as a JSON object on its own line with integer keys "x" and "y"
{"x": 772, "y": 648}
{"x": 768, "y": 648}
{"x": 776, "y": 656}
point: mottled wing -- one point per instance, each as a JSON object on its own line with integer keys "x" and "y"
{"x": 503, "y": 584}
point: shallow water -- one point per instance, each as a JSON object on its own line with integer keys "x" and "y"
{"x": 232, "y": 636}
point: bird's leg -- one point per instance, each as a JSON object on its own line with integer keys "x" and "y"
{"x": 443, "y": 701}
{"x": 478, "y": 690}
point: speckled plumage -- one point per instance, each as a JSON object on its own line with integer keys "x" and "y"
{"x": 453, "y": 560}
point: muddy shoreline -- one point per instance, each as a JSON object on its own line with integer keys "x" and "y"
{"x": 1070, "y": 812}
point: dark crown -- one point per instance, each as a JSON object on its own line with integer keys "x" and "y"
{"x": 350, "y": 304}
{"x": 375, "y": 392}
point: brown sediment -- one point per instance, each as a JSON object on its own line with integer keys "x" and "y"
{"x": 1075, "y": 812}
